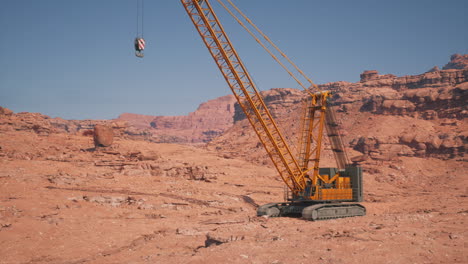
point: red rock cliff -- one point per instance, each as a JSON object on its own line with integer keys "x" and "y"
{"x": 210, "y": 120}
{"x": 382, "y": 116}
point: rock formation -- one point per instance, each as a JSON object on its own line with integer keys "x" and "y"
{"x": 433, "y": 95}
{"x": 384, "y": 116}
{"x": 457, "y": 61}
{"x": 103, "y": 136}
{"x": 211, "y": 119}
{"x": 280, "y": 101}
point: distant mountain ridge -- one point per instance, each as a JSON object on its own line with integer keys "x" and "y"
{"x": 211, "y": 119}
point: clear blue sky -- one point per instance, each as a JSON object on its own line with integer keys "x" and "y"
{"x": 75, "y": 60}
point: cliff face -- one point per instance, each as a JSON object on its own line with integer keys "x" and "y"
{"x": 280, "y": 102}
{"x": 382, "y": 117}
{"x": 442, "y": 91}
{"x": 211, "y": 119}
{"x": 214, "y": 114}
{"x": 433, "y": 105}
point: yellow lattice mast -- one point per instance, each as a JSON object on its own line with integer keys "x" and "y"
{"x": 315, "y": 110}
{"x": 311, "y": 134}
{"x": 314, "y": 196}
{"x": 247, "y": 95}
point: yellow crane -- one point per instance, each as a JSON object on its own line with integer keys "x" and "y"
{"x": 315, "y": 193}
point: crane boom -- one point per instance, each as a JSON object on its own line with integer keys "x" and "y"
{"x": 243, "y": 88}
{"x": 317, "y": 196}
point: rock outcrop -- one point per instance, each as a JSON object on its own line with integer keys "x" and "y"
{"x": 457, "y": 61}
{"x": 445, "y": 99}
{"x": 5, "y": 111}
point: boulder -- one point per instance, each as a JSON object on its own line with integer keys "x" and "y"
{"x": 103, "y": 136}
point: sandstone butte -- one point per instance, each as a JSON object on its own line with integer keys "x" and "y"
{"x": 144, "y": 199}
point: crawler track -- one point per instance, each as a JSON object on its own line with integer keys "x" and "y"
{"x": 312, "y": 212}
{"x": 331, "y": 211}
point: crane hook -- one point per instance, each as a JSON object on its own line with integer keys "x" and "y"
{"x": 139, "y": 47}
{"x": 139, "y": 42}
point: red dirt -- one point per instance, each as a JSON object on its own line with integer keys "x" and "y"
{"x": 140, "y": 202}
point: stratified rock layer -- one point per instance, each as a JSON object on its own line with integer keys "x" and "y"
{"x": 382, "y": 117}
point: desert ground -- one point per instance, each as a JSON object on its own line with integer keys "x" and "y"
{"x": 62, "y": 201}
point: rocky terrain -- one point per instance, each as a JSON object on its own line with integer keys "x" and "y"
{"x": 64, "y": 200}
